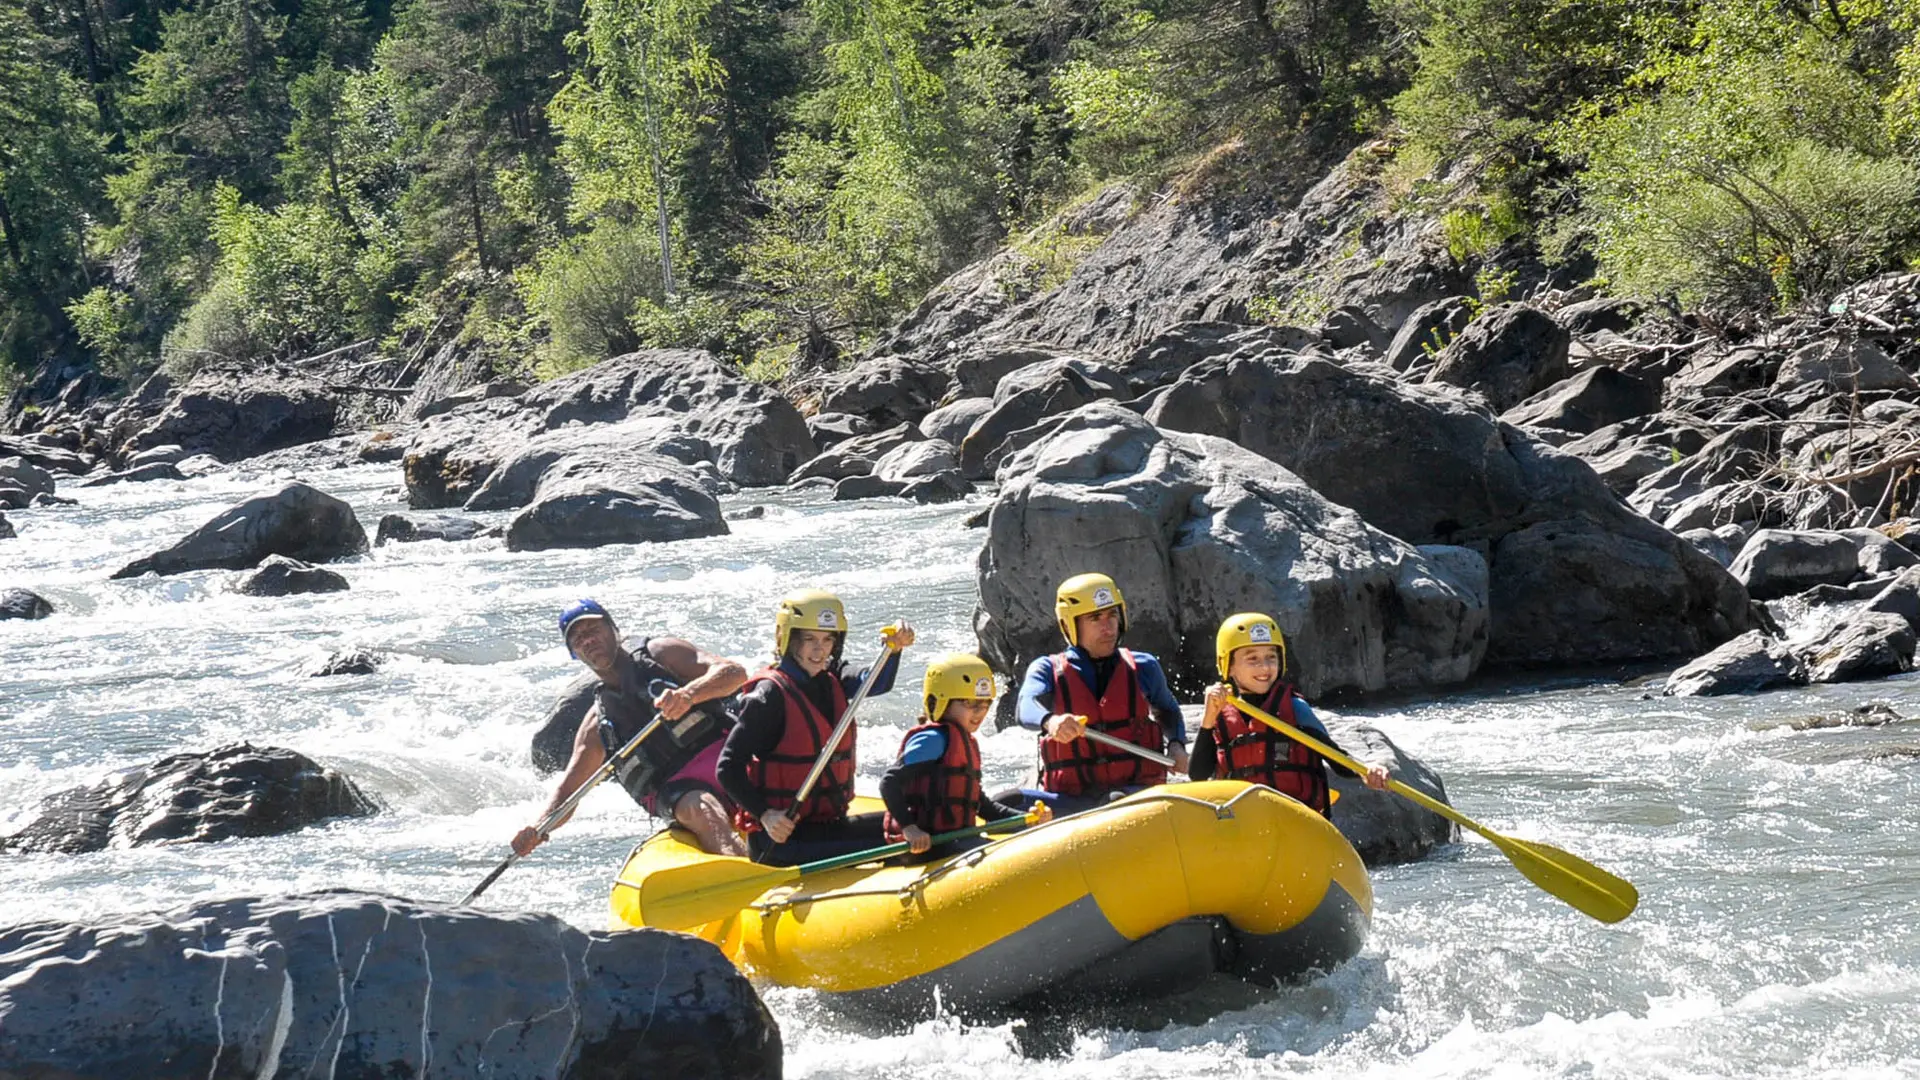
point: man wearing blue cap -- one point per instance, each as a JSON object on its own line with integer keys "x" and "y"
{"x": 673, "y": 767}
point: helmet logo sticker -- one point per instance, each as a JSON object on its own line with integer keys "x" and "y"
{"x": 828, "y": 620}
{"x": 1261, "y": 633}
{"x": 983, "y": 687}
{"x": 1102, "y": 597}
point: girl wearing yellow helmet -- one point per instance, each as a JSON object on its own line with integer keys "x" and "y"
{"x": 934, "y": 784}
{"x": 1251, "y": 654}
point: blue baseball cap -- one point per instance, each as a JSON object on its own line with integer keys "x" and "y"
{"x": 580, "y": 609}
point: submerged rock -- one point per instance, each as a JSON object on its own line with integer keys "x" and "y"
{"x": 1748, "y": 664}
{"x": 349, "y": 662}
{"x": 21, "y": 603}
{"x": 412, "y": 528}
{"x": 281, "y": 576}
{"x": 236, "y": 790}
{"x": 297, "y": 521}
{"x": 356, "y": 985}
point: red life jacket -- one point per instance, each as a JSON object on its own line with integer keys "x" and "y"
{"x": 1084, "y": 766}
{"x": 946, "y": 797}
{"x": 1250, "y": 750}
{"x": 779, "y": 775}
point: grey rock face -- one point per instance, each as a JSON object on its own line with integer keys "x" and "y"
{"x": 171, "y": 454}
{"x": 21, "y": 603}
{"x": 1383, "y": 827}
{"x": 681, "y": 404}
{"x": 1900, "y": 597}
{"x": 1781, "y": 562}
{"x": 1174, "y": 350}
{"x": 1845, "y": 366}
{"x": 297, "y": 521}
{"x": 1575, "y": 577}
{"x": 1867, "y": 646}
{"x": 1028, "y": 396}
{"x": 582, "y": 503}
{"x": 134, "y": 474}
{"x": 887, "y": 390}
{"x": 25, "y": 476}
{"x": 1877, "y": 553}
{"x": 47, "y": 455}
{"x": 1709, "y": 543}
{"x": 917, "y": 461}
{"x": 830, "y": 428}
{"x": 281, "y": 576}
{"x": 1587, "y": 402}
{"x": 1196, "y": 518}
{"x": 360, "y": 986}
{"x": 412, "y": 528}
{"x": 234, "y": 417}
{"x": 1748, "y": 664}
{"x": 855, "y": 456}
{"x": 1602, "y": 313}
{"x": 236, "y": 790}
{"x": 6, "y": 528}
{"x": 1510, "y": 353}
{"x": 1427, "y": 331}
{"x": 952, "y": 422}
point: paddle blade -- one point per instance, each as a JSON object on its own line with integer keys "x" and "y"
{"x": 1581, "y": 884}
{"x": 683, "y": 897}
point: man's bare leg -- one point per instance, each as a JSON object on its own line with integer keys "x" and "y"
{"x": 701, "y": 812}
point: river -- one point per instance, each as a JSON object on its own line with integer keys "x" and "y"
{"x": 1778, "y": 867}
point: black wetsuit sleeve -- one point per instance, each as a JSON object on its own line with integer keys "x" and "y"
{"x": 1205, "y": 757}
{"x": 992, "y": 810}
{"x": 1337, "y": 768}
{"x": 893, "y": 786}
{"x": 763, "y": 720}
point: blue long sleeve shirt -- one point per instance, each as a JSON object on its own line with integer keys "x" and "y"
{"x": 1037, "y": 690}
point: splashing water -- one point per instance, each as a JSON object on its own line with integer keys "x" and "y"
{"x": 1777, "y": 866}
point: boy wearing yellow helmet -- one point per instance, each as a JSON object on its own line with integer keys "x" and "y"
{"x": 787, "y": 716}
{"x": 1097, "y": 684}
{"x": 934, "y": 784}
{"x": 1251, "y": 655}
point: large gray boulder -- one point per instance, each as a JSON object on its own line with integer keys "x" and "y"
{"x": 1868, "y": 645}
{"x": 237, "y": 790}
{"x": 357, "y": 986}
{"x": 1510, "y": 353}
{"x": 136, "y": 474}
{"x": 297, "y": 521}
{"x": 951, "y": 422}
{"x": 238, "y": 416}
{"x": 24, "y": 476}
{"x": 635, "y": 498}
{"x": 1194, "y": 529}
{"x": 1748, "y": 664}
{"x": 1900, "y": 597}
{"x": 1781, "y": 562}
{"x": 1575, "y": 576}
{"x": 855, "y": 456}
{"x": 679, "y": 403}
{"x": 1431, "y": 328}
{"x": 45, "y": 454}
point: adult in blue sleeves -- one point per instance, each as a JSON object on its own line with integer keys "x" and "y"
{"x": 1097, "y": 685}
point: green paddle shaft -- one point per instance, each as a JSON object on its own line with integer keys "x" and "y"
{"x": 680, "y": 897}
{"x": 1565, "y": 875}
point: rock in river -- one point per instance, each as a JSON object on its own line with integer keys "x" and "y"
{"x": 358, "y": 986}
{"x": 297, "y": 521}
{"x": 236, "y": 790}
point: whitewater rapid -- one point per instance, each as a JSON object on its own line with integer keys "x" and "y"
{"x": 1778, "y": 868}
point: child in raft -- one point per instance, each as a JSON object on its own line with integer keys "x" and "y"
{"x": 1251, "y": 655}
{"x": 933, "y": 785}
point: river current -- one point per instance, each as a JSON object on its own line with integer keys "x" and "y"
{"x": 1777, "y": 863}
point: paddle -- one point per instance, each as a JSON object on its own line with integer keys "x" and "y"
{"x": 1132, "y": 748}
{"x": 840, "y": 729}
{"x": 559, "y": 814}
{"x": 1567, "y": 876}
{"x": 681, "y": 897}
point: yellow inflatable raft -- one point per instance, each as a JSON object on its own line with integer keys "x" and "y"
{"x": 1149, "y": 894}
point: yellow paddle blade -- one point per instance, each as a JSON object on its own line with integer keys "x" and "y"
{"x": 1575, "y": 880}
{"x": 683, "y": 897}
{"x": 1584, "y": 886}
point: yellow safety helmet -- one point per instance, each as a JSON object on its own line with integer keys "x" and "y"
{"x": 1242, "y": 630}
{"x": 955, "y": 677}
{"x": 1084, "y": 594}
{"x": 808, "y": 609}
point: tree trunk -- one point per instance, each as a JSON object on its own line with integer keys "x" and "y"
{"x": 479, "y": 226}
{"x": 654, "y": 139}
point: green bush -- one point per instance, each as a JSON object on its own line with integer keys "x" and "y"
{"x": 583, "y": 293}
{"x": 1761, "y": 173}
{"x": 214, "y": 330}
